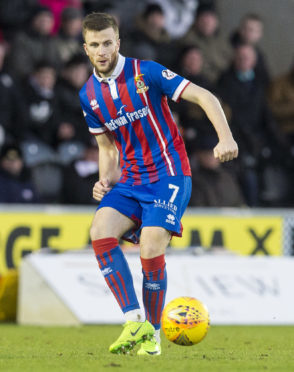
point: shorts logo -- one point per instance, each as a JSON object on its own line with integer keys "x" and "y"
{"x": 94, "y": 104}
{"x": 158, "y": 203}
{"x": 168, "y": 74}
{"x": 84, "y": 113}
{"x": 170, "y": 219}
{"x": 106, "y": 271}
{"x": 152, "y": 286}
{"x": 140, "y": 84}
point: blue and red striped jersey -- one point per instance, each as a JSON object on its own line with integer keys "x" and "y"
{"x": 132, "y": 105}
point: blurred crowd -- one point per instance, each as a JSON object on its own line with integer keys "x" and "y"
{"x": 46, "y": 152}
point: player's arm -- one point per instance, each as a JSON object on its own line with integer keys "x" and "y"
{"x": 109, "y": 171}
{"x": 227, "y": 148}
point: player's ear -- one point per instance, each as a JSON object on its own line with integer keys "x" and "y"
{"x": 118, "y": 44}
{"x": 85, "y": 48}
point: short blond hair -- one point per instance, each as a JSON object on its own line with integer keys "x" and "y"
{"x": 98, "y": 22}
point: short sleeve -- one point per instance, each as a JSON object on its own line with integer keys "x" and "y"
{"x": 170, "y": 84}
{"x": 94, "y": 124}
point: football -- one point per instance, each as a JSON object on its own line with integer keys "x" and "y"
{"x": 185, "y": 321}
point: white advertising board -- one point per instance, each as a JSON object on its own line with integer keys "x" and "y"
{"x": 236, "y": 290}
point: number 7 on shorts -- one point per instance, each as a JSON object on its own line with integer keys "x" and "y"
{"x": 174, "y": 194}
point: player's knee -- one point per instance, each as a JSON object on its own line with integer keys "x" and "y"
{"x": 153, "y": 242}
{"x": 97, "y": 231}
{"x": 94, "y": 233}
{"x": 148, "y": 251}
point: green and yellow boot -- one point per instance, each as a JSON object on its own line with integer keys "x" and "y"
{"x": 133, "y": 334}
{"x": 150, "y": 347}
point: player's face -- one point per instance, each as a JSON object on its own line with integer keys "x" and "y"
{"x": 102, "y": 49}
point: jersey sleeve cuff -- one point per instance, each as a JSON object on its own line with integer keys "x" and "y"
{"x": 177, "y": 94}
{"x": 97, "y": 131}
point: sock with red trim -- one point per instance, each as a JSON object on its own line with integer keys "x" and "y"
{"x": 154, "y": 288}
{"x": 116, "y": 272}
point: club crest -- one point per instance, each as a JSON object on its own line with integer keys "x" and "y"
{"x": 141, "y": 87}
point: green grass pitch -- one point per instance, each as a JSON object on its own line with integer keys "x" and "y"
{"x": 85, "y": 348}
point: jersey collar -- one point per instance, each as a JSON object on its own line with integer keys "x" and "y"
{"x": 116, "y": 72}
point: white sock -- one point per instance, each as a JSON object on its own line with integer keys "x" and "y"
{"x": 157, "y": 335}
{"x": 135, "y": 316}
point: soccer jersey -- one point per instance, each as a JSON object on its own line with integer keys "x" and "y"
{"x": 131, "y": 104}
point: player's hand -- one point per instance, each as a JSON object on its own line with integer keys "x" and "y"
{"x": 101, "y": 188}
{"x": 226, "y": 150}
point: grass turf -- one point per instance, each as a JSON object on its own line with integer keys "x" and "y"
{"x": 85, "y": 348}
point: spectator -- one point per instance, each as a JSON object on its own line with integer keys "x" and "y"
{"x": 190, "y": 65}
{"x": 252, "y": 123}
{"x": 15, "y": 184}
{"x": 125, "y": 10}
{"x": 281, "y": 99}
{"x": 14, "y": 15}
{"x": 205, "y": 33}
{"x": 11, "y": 108}
{"x": 40, "y": 103}
{"x": 34, "y": 45}
{"x": 250, "y": 31}
{"x": 150, "y": 38}
{"x": 213, "y": 184}
{"x": 80, "y": 176}
{"x": 71, "y": 126}
{"x": 68, "y": 41}
{"x": 57, "y": 7}
{"x": 191, "y": 117}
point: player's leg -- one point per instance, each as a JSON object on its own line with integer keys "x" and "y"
{"x": 153, "y": 243}
{"x": 160, "y": 220}
{"x": 107, "y": 228}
